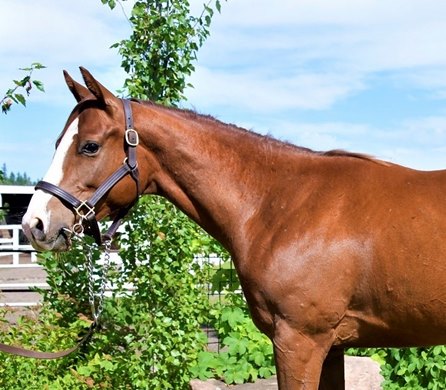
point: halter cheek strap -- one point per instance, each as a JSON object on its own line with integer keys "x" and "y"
{"x": 85, "y": 210}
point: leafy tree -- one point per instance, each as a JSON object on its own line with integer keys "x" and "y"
{"x": 22, "y": 88}
{"x": 159, "y": 54}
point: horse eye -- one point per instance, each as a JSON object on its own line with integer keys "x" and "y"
{"x": 90, "y": 148}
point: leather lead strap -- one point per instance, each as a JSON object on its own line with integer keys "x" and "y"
{"x": 29, "y": 353}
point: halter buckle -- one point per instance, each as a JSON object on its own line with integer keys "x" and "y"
{"x": 80, "y": 212}
{"x": 131, "y": 137}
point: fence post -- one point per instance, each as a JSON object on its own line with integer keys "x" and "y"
{"x": 15, "y": 246}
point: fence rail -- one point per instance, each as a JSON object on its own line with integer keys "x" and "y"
{"x": 13, "y": 248}
{"x": 21, "y": 294}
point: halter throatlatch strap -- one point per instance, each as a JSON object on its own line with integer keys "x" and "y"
{"x": 85, "y": 210}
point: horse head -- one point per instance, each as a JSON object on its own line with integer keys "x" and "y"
{"x": 93, "y": 146}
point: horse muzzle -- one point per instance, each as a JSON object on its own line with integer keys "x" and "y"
{"x": 41, "y": 239}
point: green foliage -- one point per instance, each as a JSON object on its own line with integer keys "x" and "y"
{"x": 150, "y": 336}
{"x": 224, "y": 278}
{"x": 165, "y": 40}
{"x": 409, "y": 368}
{"x": 43, "y": 334}
{"x": 415, "y": 368}
{"x": 110, "y": 3}
{"x": 22, "y": 88}
{"x": 246, "y": 354}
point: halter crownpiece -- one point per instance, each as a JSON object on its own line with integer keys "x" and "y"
{"x": 85, "y": 210}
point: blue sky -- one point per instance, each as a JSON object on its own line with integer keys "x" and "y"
{"x": 362, "y": 75}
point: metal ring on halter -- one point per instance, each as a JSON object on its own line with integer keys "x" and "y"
{"x": 78, "y": 228}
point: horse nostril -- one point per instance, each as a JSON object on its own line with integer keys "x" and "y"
{"x": 37, "y": 229}
{"x": 39, "y": 224}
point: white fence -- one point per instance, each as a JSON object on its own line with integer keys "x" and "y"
{"x": 11, "y": 249}
{"x": 19, "y": 270}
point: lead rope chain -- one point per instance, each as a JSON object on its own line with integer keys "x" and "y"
{"x": 97, "y": 302}
{"x": 78, "y": 231}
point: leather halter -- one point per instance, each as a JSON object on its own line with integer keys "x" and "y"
{"x": 86, "y": 213}
{"x": 85, "y": 209}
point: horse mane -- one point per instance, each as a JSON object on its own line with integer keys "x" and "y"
{"x": 345, "y": 153}
{"x": 194, "y": 115}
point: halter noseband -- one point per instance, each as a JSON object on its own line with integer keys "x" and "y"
{"x": 85, "y": 209}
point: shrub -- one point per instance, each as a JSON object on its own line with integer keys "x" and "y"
{"x": 245, "y": 355}
{"x": 409, "y": 368}
{"x": 149, "y": 338}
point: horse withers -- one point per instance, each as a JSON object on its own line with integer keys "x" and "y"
{"x": 333, "y": 249}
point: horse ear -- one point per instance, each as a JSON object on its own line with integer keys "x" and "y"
{"x": 96, "y": 88}
{"x": 78, "y": 90}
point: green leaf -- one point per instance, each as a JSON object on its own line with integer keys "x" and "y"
{"x": 39, "y": 85}
{"x": 259, "y": 358}
{"x": 84, "y": 370}
{"x": 20, "y": 98}
{"x": 37, "y": 65}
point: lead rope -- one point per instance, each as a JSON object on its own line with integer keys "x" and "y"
{"x": 96, "y": 304}
{"x": 97, "y": 301}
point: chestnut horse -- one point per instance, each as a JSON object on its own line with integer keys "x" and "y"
{"x": 333, "y": 250}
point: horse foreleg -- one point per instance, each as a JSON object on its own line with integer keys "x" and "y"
{"x": 299, "y": 359}
{"x": 332, "y": 377}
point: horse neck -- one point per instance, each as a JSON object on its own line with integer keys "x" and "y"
{"x": 205, "y": 168}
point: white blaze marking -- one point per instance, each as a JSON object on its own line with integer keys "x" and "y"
{"x": 55, "y": 172}
{"x": 38, "y": 206}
